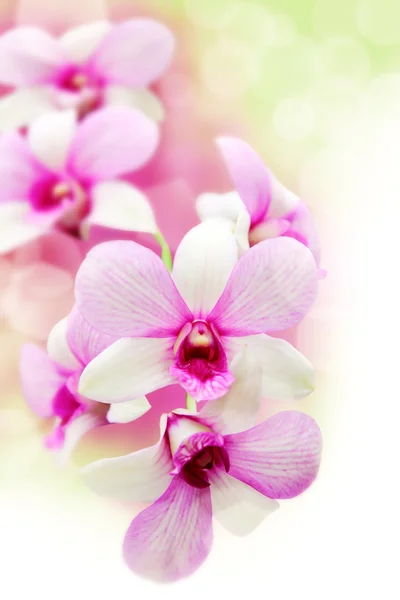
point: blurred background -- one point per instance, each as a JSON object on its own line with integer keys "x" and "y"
{"x": 314, "y": 86}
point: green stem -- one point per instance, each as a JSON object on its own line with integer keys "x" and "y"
{"x": 165, "y": 251}
{"x": 190, "y": 403}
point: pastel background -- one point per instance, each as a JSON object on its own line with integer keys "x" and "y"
{"x": 314, "y": 85}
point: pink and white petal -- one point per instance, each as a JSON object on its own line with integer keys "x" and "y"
{"x": 59, "y": 15}
{"x": 92, "y": 153}
{"x": 239, "y": 408}
{"x": 80, "y": 42}
{"x": 125, "y": 412}
{"x": 303, "y": 229}
{"x": 268, "y": 229}
{"x": 238, "y": 507}
{"x": 124, "y": 289}
{"x": 19, "y": 168}
{"x": 220, "y": 206}
{"x": 15, "y": 231}
{"x": 129, "y": 369}
{"x": 120, "y": 205}
{"x": 58, "y": 348}
{"x": 134, "y": 53}
{"x": 74, "y": 432}
{"x": 283, "y": 201}
{"x": 40, "y": 379}
{"x": 141, "y": 98}
{"x": 85, "y": 342}
{"x": 203, "y": 263}
{"x": 29, "y": 55}
{"x": 23, "y": 106}
{"x": 249, "y": 174}
{"x": 280, "y": 457}
{"x": 286, "y": 373}
{"x": 170, "y": 539}
{"x": 142, "y": 476}
{"x": 50, "y": 137}
{"x": 272, "y": 287}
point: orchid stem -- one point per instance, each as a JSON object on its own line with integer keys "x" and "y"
{"x": 190, "y": 403}
{"x": 165, "y": 251}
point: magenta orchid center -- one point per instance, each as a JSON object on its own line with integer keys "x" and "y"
{"x": 197, "y": 453}
{"x": 200, "y": 361}
{"x": 57, "y": 192}
{"x": 86, "y": 87}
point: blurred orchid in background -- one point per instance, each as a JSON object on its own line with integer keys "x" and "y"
{"x": 88, "y": 67}
{"x": 64, "y": 174}
{"x": 261, "y": 207}
{"x": 37, "y": 283}
{"x": 188, "y": 328}
{"x": 208, "y": 464}
{"x": 50, "y": 384}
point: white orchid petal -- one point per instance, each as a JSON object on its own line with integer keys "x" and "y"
{"x": 50, "y": 137}
{"x": 58, "y": 348}
{"x": 119, "y": 205}
{"x": 203, "y": 263}
{"x": 125, "y": 412}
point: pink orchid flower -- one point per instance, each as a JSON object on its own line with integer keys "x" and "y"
{"x": 187, "y": 328}
{"x": 87, "y": 67}
{"x": 208, "y": 465}
{"x": 64, "y": 175}
{"x": 50, "y": 384}
{"x": 261, "y": 207}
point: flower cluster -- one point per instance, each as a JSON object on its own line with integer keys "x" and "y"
{"x": 206, "y": 317}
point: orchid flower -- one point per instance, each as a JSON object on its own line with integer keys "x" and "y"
{"x": 89, "y": 66}
{"x": 64, "y": 175}
{"x": 261, "y": 207}
{"x": 187, "y": 328}
{"x": 208, "y": 465}
{"x": 50, "y": 384}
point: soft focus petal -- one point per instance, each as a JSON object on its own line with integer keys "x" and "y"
{"x": 241, "y": 231}
{"x": 125, "y": 412}
{"x": 124, "y": 289}
{"x": 283, "y": 201}
{"x": 142, "y": 476}
{"x": 238, "y": 409}
{"x": 286, "y": 373}
{"x": 80, "y": 42}
{"x": 119, "y": 205}
{"x": 19, "y": 168}
{"x": 238, "y": 507}
{"x": 40, "y": 379}
{"x": 50, "y": 137}
{"x": 203, "y": 263}
{"x": 128, "y": 369}
{"x": 268, "y": 229}
{"x": 92, "y": 153}
{"x": 249, "y": 174}
{"x": 14, "y": 230}
{"x": 172, "y": 537}
{"x": 134, "y": 53}
{"x": 303, "y": 228}
{"x": 24, "y": 106}
{"x": 60, "y": 13}
{"x": 29, "y": 55}
{"x": 75, "y": 430}
{"x": 141, "y": 98}
{"x": 272, "y": 287}
{"x": 280, "y": 457}
{"x": 58, "y": 348}
{"x": 219, "y": 206}
{"x": 85, "y": 342}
